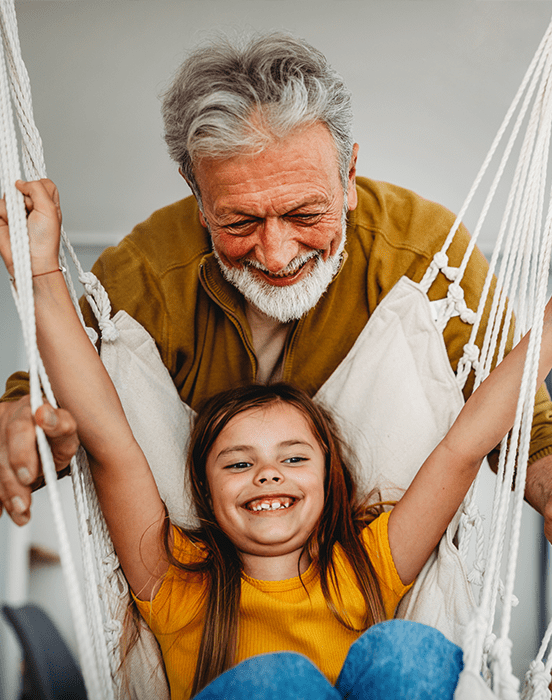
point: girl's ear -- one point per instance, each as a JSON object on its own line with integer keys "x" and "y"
{"x": 205, "y": 488}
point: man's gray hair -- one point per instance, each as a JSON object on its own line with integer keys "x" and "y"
{"x": 230, "y": 98}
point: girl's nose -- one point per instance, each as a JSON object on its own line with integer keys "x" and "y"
{"x": 269, "y": 474}
{"x": 263, "y": 479}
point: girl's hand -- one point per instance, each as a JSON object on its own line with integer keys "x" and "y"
{"x": 44, "y": 225}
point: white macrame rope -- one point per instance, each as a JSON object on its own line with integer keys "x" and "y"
{"x": 489, "y": 345}
{"x": 541, "y": 262}
{"x": 531, "y": 78}
{"x": 518, "y": 203}
{"x": 538, "y": 677}
{"x": 90, "y": 637}
{"x": 527, "y": 282}
{"x": 31, "y": 143}
{"x": 530, "y": 375}
{"x": 22, "y": 272}
{"x": 433, "y": 270}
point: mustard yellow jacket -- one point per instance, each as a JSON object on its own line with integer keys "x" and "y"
{"x": 164, "y": 274}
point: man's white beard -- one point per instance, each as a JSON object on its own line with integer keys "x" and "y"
{"x": 292, "y": 301}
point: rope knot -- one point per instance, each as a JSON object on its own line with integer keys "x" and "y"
{"x": 113, "y": 630}
{"x": 100, "y": 305}
{"x": 90, "y": 282}
{"x": 537, "y": 678}
{"x": 456, "y": 296}
{"x": 110, "y": 564}
{"x": 109, "y": 330}
{"x": 514, "y": 600}
{"x": 467, "y": 315}
{"x": 441, "y": 260}
{"x": 113, "y": 627}
{"x": 508, "y": 684}
{"x": 469, "y": 359}
{"x": 476, "y": 574}
{"x": 471, "y": 353}
{"x": 456, "y": 293}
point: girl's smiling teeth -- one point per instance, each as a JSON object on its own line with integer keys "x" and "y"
{"x": 269, "y": 503}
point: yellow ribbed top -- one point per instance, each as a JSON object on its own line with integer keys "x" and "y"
{"x": 274, "y": 615}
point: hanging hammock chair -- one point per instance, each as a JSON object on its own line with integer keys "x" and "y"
{"x": 443, "y": 595}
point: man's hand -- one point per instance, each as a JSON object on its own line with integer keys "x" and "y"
{"x": 538, "y": 491}
{"x": 19, "y": 460}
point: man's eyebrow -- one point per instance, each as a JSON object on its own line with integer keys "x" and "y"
{"x": 313, "y": 201}
{"x": 236, "y": 213}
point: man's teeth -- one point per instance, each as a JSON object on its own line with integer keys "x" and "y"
{"x": 282, "y": 275}
{"x": 269, "y": 505}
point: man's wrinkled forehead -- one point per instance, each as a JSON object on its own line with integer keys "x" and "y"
{"x": 315, "y": 148}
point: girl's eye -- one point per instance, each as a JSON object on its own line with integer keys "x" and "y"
{"x": 295, "y": 460}
{"x": 239, "y": 465}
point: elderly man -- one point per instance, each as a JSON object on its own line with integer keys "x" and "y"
{"x": 276, "y": 265}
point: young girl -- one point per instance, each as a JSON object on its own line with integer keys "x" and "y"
{"x": 286, "y": 559}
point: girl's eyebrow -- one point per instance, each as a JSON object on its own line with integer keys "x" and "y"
{"x": 246, "y": 448}
{"x": 292, "y": 443}
{"x": 234, "y": 448}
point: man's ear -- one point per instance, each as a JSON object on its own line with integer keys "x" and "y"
{"x": 184, "y": 176}
{"x": 352, "y": 197}
{"x": 202, "y": 220}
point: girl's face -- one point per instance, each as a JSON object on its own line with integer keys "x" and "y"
{"x": 266, "y": 478}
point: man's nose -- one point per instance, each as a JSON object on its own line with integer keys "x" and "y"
{"x": 277, "y": 246}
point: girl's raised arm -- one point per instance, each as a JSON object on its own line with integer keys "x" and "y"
{"x": 126, "y": 489}
{"x": 422, "y": 515}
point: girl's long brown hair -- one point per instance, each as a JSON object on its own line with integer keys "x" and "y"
{"x": 343, "y": 517}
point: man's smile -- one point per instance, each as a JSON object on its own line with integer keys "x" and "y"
{"x": 292, "y": 273}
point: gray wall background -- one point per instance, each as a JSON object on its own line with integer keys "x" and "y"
{"x": 431, "y": 80}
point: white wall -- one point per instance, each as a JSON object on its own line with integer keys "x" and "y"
{"x": 431, "y": 80}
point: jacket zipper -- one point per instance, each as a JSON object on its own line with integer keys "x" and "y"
{"x": 233, "y": 318}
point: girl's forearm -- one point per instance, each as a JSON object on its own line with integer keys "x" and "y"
{"x": 490, "y": 411}
{"x": 79, "y": 379}
{"x": 442, "y": 482}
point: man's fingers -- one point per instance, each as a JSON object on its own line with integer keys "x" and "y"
{"x": 15, "y": 498}
{"x": 18, "y": 448}
{"x": 19, "y": 464}
{"x": 19, "y": 460}
{"x": 61, "y": 430}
